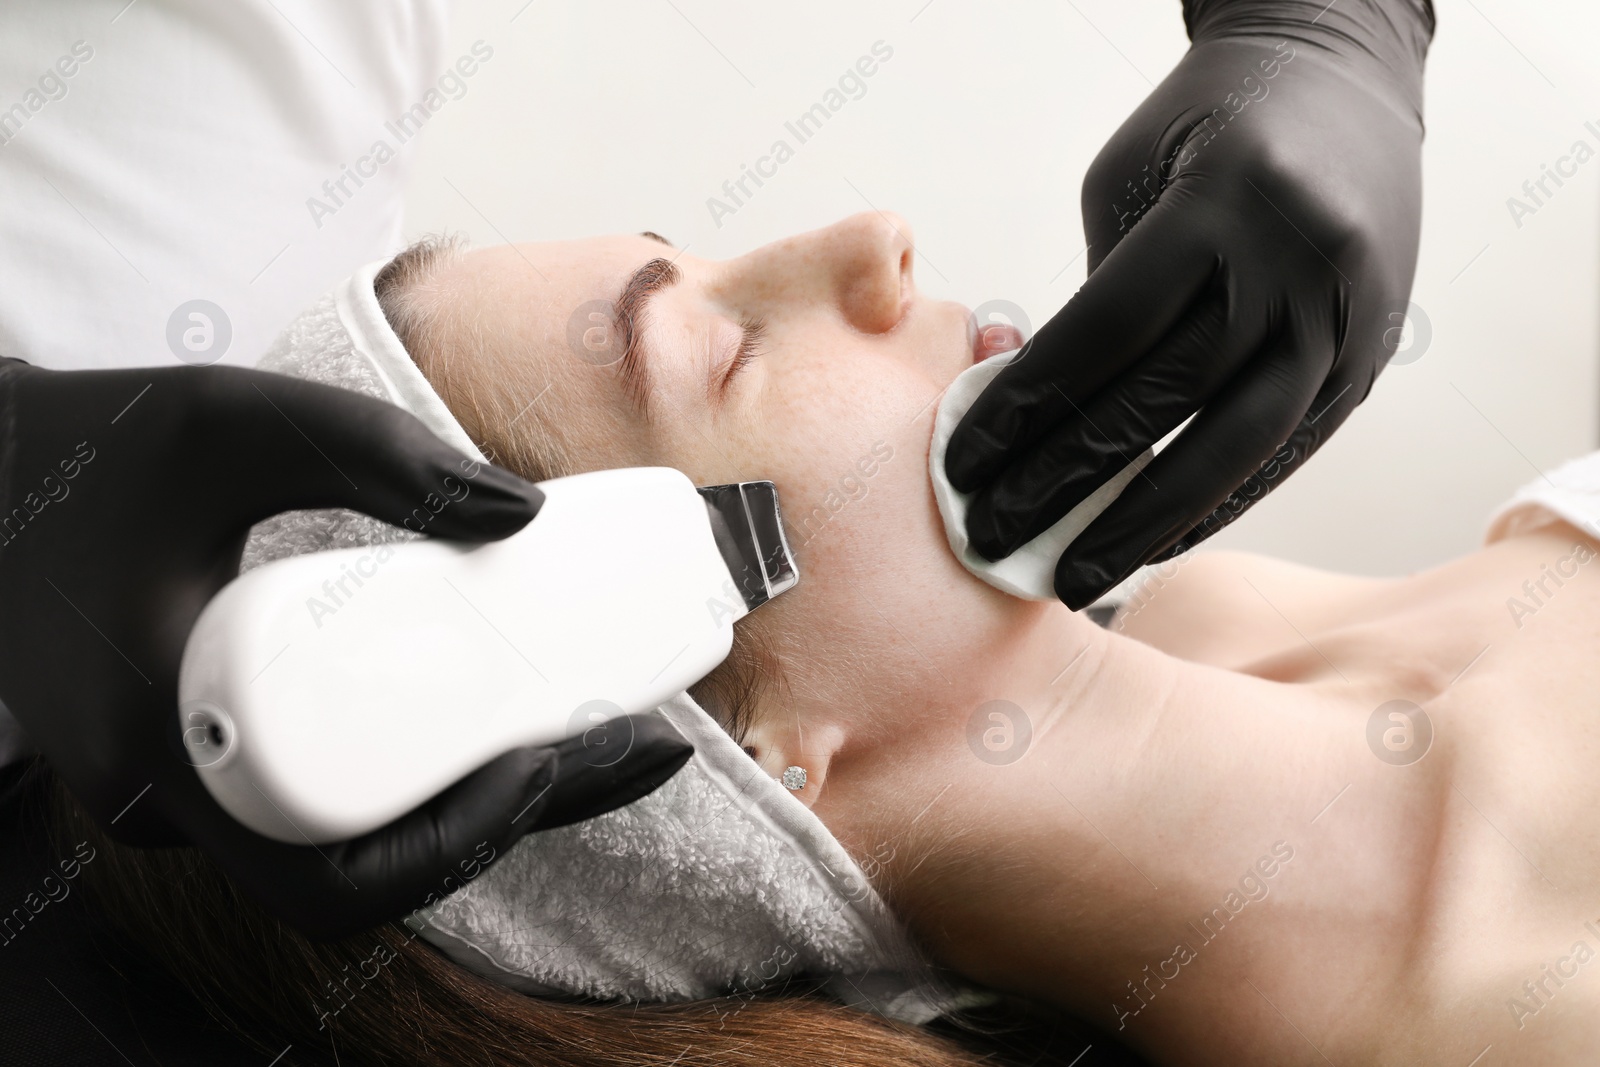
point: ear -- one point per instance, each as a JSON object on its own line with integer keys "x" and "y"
{"x": 781, "y": 740}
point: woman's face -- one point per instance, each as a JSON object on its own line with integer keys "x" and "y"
{"x": 811, "y": 361}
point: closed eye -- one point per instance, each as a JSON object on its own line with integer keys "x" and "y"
{"x": 752, "y": 333}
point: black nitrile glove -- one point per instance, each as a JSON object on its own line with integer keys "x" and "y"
{"x": 1252, "y": 233}
{"x": 125, "y": 500}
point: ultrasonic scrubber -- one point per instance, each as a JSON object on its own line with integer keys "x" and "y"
{"x": 324, "y": 695}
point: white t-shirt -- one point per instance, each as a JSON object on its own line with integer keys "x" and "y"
{"x": 159, "y": 152}
{"x": 162, "y": 152}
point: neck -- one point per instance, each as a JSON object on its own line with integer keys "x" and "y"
{"x": 1137, "y": 838}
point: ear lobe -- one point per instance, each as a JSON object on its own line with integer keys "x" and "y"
{"x": 780, "y": 746}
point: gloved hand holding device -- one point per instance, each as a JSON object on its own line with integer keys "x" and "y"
{"x": 1252, "y": 232}
{"x": 125, "y": 500}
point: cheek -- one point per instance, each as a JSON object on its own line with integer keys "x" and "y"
{"x": 881, "y": 600}
{"x": 846, "y": 450}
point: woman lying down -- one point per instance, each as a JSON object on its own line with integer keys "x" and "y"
{"x": 1274, "y": 816}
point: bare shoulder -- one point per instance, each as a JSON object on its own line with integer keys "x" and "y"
{"x": 1225, "y": 608}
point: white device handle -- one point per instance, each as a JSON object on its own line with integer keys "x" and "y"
{"x": 325, "y": 695}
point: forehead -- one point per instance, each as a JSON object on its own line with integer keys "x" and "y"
{"x": 530, "y": 310}
{"x": 543, "y": 301}
{"x": 550, "y": 280}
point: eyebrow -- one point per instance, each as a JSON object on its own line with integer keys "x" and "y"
{"x": 626, "y": 316}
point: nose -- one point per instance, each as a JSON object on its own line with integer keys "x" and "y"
{"x": 871, "y": 269}
{"x": 860, "y": 266}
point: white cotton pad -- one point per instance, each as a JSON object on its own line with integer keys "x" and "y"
{"x": 1030, "y": 571}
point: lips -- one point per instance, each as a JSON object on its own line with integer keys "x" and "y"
{"x": 993, "y": 339}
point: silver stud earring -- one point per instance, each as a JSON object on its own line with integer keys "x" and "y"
{"x": 794, "y": 778}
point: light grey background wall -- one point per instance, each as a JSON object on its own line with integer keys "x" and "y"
{"x": 595, "y": 118}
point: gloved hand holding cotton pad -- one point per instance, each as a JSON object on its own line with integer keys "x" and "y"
{"x": 1030, "y": 571}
